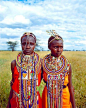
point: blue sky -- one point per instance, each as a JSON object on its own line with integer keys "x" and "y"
{"x": 67, "y": 17}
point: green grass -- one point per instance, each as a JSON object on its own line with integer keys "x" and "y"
{"x": 78, "y": 64}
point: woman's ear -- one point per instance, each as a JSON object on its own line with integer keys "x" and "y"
{"x": 49, "y": 47}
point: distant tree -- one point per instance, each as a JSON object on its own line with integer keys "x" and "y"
{"x": 12, "y": 45}
{"x": 42, "y": 49}
{"x": 38, "y": 47}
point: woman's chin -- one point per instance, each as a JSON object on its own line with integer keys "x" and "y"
{"x": 28, "y": 53}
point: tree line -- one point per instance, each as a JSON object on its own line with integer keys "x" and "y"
{"x": 12, "y": 45}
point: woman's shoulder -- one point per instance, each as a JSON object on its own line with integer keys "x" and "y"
{"x": 67, "y": 63}
{"x": 13, "y": 64}
{"x": 46, "y": 56}
{"x": 62, "y": 56}
{"x": 35, "y": 53}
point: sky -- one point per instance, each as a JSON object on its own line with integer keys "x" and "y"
{"x": 66, "y": 17}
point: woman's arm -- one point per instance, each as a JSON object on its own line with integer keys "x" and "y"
{"x": 13, "y": 64}
{"x": 72, "y": 99}
{"x": 41, "y": 68}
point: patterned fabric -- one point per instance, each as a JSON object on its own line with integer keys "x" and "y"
{"x": 55, "y": 73}
{"x": 27, "y": 78}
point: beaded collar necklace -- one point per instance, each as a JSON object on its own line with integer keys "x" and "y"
{"x": 53, "y": 65}
{"x": 25, "y": 61}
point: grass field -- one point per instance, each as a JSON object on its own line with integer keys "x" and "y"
{"x": 78, "y": 63}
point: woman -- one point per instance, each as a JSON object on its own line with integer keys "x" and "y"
{"x": 58, "y": 92}
{"x": 26, "y": 76}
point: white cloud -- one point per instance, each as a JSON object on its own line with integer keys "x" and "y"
{"x": 12, "y": 32}
{"x": 80, "y": 42}
{"x": 67, "y": 17}
{"x": 17, "y": 19}
{"x": 2, "y": 9}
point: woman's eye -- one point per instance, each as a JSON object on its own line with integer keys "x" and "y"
{"x": 31, "y": 43}
{"x": 58, "y": 47}
{"x": 23, "y": 43}
{"x": 27, "y": 43}
{"x": 61, "y": 46}
{"x": 55, "y": 47}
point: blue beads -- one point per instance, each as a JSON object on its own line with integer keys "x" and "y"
{"x": 37, "y": 102}
{"x": 29, "y": 106}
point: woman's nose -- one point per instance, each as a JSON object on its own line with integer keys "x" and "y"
{"x": 28, "y": 45}
{"x": 58, "y": 48}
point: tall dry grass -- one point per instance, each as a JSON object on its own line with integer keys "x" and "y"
{"x": 78, "y": 63}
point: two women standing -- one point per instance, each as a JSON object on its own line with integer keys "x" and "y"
{"x": 26, "y": 76}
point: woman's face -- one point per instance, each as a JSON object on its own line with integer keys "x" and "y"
{"x": 56, "y": 48}
{"x": 28, "y": 45}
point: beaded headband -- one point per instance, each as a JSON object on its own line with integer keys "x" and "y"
{"x": 28, "y": 34}
{"x": 54, "y": 34}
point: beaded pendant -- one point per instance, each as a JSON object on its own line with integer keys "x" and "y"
{"x": 28, "y": 67}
